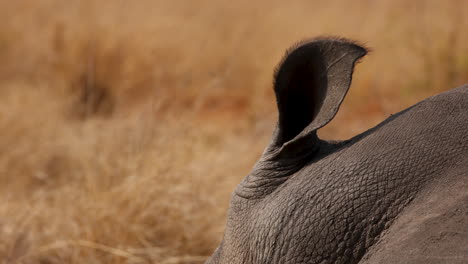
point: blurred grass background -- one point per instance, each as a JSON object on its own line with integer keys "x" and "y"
{"x": 126, "y": 124}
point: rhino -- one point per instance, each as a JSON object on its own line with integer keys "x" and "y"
{"x": 397, "y": 193}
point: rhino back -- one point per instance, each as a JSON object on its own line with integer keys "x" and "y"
{"x": 433, "y": 229}
{"x": 336, "y": 207}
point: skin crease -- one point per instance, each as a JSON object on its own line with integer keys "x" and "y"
{"x": 312, "y": 201}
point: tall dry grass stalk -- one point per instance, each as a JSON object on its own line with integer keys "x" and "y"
{"x": 125, "y": 125}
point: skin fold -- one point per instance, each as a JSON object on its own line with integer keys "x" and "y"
{"x": 389, "y": 195}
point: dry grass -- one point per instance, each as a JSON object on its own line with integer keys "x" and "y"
{"x": 125, "y": 125}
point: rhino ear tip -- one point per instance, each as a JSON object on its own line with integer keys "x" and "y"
{"x": 335, "y": 39}
{"x": 360, "y": 48}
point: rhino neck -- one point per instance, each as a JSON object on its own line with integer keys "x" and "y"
{"x": 277, "y": 164}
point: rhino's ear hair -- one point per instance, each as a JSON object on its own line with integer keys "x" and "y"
{"x": 310, "y": 83}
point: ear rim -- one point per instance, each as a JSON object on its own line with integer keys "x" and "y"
{"x": 304, "y": 42}
{"x": 310, "y": 131}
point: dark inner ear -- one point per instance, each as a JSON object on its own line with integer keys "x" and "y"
{"x": 310, "y": 85}
{"x": 300, "y": 88}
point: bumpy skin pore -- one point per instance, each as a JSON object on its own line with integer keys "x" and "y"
{"x": 312, "y": 201}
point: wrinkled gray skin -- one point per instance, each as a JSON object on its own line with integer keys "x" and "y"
{"x": 397, "y": 193}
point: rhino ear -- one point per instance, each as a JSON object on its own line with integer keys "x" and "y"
{"x": 310, "y": 84}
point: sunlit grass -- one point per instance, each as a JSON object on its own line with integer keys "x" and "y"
{"x": 125, "y": 125}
